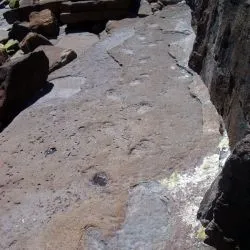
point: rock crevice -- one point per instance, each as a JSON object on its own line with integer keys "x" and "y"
{"x": 221, "y": 56}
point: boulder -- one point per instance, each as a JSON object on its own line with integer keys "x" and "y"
{"x": 44, "y": 22}
{"x": 19, "y": 53}
{"x": 58, "y": 57}
{"x": 32, "y": 41}
{"x": 27, "y": 6}
{"x": 19, "y": 31}
{"x": 20, "y": 79}
{"x": 144, "y": 9}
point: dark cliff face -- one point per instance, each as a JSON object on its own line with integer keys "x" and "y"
{"x": 221, "y": 55}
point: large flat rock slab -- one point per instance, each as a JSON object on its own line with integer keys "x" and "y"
{"x": 129, "y": 112}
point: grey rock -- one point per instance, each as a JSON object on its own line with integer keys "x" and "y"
{"x": 3, "y": 36}
{"x": 156, "y": 6}
{"x": 145, "y": 9}
{"x": 58, "y": 57}
{"x": 32, "y": 41}
{"x": 20, "y": 79}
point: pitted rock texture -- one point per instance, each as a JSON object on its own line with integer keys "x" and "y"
{"x": 123, "y": 107}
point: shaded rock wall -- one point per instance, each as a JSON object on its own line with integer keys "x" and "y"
{"x": 221, "y": 55}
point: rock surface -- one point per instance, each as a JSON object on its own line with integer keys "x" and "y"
{"x": 44, "y": 22}
{"x": 18, "y": 84}
{"x": 32, "y": 41}
{"x": 127, "y": 113}
{"x": 221, "y": 56}
{"x": 58, "y": 57}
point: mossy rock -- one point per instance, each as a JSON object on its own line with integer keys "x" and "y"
{"x": 11, "y": 46}
{"x": 14, "y": 4}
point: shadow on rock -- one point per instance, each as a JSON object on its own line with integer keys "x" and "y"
{"x": 92, "y": 27}
{"x": 20, "y": 81}
{"x": 13, "y": 110}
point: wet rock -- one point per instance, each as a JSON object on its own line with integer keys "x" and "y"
{"x": 20, "y": 79}
{"x": 100, "y": 179}
{"x": 44, "y": 22}
{"x": 32, "y": 41}
{"x": 19, "y": 31}
{"x": 224, "y": 210}
{"x": 58, "y": 57}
